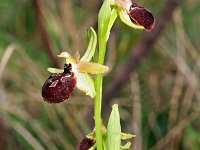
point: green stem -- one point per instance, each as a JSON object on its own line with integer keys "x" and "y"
{"x": 106, "y": 19}
{"x": 98, "y": 98}
{"x": 97, "y": 111}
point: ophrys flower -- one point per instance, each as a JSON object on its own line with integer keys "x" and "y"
{"x": 61, "y": 82}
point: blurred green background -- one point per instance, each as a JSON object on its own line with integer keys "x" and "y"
{"x": 160, "y": 103}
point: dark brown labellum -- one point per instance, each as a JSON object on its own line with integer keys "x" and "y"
{"x": 85, "y": 144}
{"x": 141, "y": 16}
{"x": 59, "y": 86}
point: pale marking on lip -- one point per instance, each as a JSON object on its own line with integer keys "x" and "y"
{"x": 54, "y": 83}
{"x": 64, "y": 78}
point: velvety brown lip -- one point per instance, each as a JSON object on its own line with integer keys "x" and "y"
{"x": 59, "y": 86}
{"x": 85, "y": 144}
{"x": 141, "y": 16}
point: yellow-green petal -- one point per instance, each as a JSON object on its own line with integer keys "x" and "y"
{"x": 55, "y": 70}
{"x": 90, "y": 67}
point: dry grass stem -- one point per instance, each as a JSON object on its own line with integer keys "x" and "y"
{"x": 136, "y": 112}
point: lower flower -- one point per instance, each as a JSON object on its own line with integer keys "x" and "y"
{"x": 85, "y": 144}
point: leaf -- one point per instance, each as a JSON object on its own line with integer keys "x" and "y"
{"x": 125, "y": 136}
{"x": 126, "y": 146}
{"x": 90, "y": 67}
{"x": 55, "y": 70}
{"x": 91, "y": 46}
{"x": 85, "y": 84}
{"x": 126, "y": 19}
{"x": 114, "y": 129}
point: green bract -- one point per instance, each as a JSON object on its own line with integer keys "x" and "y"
{"x": 112, "y": 19}
{"x": 103, "y": 33}
{"x": 112, "y": 136}
{"x": 114, "y": 130}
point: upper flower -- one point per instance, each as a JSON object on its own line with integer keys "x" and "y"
{"x": 134, "y": 15}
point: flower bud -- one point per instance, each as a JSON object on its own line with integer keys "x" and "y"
{"x": 85, "y": 144}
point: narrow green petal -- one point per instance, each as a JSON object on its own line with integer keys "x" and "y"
{"x": 91, "y": 46}
{"x": 68, "y": 57}
{"x": 85, "y": 84}
{"x": 125, "y": 136}
{"x": 114, "y": 129}
{"x": 55, "y": 70}
{"x": 126, "y": 146}
{"x": 126, "y": 19}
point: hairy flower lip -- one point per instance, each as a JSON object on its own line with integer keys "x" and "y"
{"x": 85, "y": 144}
{"x": 59, "y": 86}
{"x": 134, "y": 15}
{"x": 141, "y": 16}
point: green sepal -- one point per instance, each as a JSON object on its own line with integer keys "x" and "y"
{"x": 86, "y": 84}
{"x": 114, "y": 130}
{"x": 126, "y": 19}
{"x": 91, "y": 45}
{"x": 126, "y": 146}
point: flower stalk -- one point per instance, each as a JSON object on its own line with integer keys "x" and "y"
{"x": 62, "y": 82}
{"x": 103, "y": 34}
